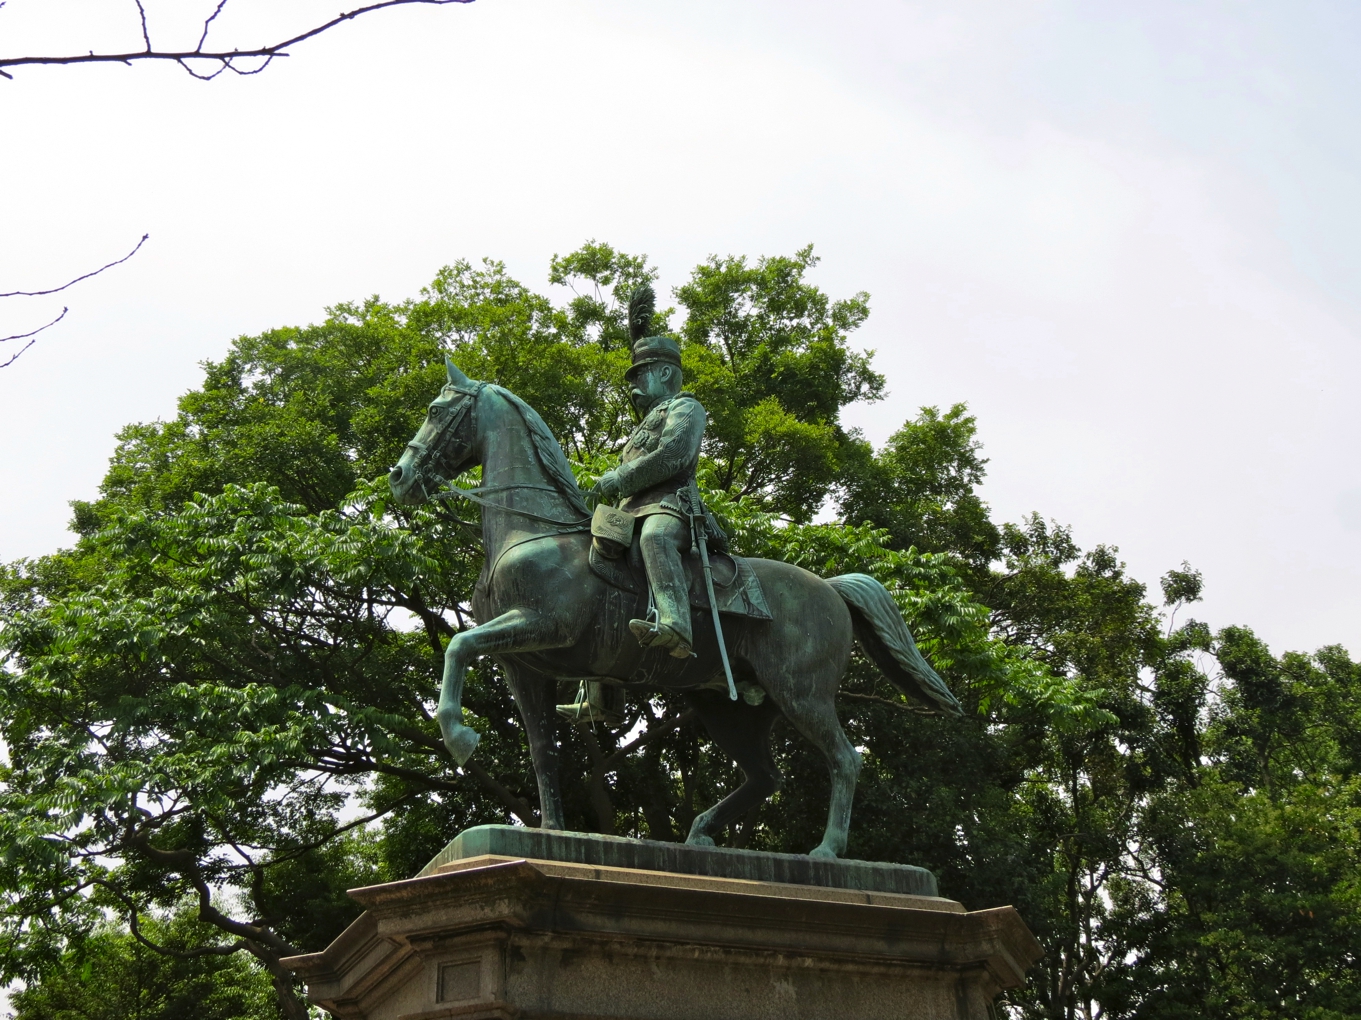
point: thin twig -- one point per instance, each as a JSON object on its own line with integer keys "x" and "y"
{"x": 225, "y": 58}
{"x": 15, "y": 358}
{"x": 136, "y": 929}
{"x": 902, "y": 706}
{"x": 207, "y": 24}
{"x": 654, "y": 731}
{"x": 146, "y": 37}
{"x": 54, "y": 290}
{"x": 33, "y": 333}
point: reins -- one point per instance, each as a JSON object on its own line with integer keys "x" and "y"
{"x": 452, "y": 418}
{"x": 472, "y": 495}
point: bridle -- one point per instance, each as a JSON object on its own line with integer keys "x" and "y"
{"x": 453, "y": 416}
{"x": 425, "y": 451}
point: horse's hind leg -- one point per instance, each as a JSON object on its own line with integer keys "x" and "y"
{"x": 813, "y": 713}
{"x": 744, "y": 732}
{"x": 799, "y": 658}
{"x": 535, "y": 697}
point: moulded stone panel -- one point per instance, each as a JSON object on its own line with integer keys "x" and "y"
{"x": 498, "y": 937}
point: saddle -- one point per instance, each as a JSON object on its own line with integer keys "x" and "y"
{"x": 736, "y": 586}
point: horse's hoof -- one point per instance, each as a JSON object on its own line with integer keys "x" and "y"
{"x": 460, "y": 740}
{"x": 700, "y": 841}
{"x": 822, "y": 852}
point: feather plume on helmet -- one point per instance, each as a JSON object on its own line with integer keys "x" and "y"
{"x": 642, "y": 306}
{"x": 648, "y": 349}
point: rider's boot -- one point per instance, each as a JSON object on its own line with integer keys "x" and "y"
{"x": 597, "y": 703}
{"x": 661, "y": 635}
{"x": 661, "y": 541}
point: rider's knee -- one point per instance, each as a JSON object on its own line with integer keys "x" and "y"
{"x": 663, "y": 530}
{"x": 655, "y": 524}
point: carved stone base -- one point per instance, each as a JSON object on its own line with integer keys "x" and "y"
{"x": 492, "y": 936}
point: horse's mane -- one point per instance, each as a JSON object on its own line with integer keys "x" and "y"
{"x": 550, "y": 453}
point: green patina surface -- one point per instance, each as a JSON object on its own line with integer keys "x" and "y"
{"x": 712, "y": 862}
{"x": 547, "y": 614}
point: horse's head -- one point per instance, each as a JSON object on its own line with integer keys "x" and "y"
{"x": 443, "y": 447}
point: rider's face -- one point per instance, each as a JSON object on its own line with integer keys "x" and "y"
{"x": 652, "y": 383}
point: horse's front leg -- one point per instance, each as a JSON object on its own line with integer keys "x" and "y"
{"x": 519, "y": 630}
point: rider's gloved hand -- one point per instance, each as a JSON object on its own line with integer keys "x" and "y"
{"x": 606, "y": 490}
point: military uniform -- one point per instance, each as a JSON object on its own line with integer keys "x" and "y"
{"x": 661, "y": 456}
{"x": 658, "y": 460}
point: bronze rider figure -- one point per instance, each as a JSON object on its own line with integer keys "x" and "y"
{"x": 657, "y": 462}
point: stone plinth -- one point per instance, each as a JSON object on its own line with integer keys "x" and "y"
{"x": 711, "y": 861}
{"x": 491, "y": 935}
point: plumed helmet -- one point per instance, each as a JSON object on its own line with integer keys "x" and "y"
{"x": 653, "y": 348}
{"x": 648, "y": 349}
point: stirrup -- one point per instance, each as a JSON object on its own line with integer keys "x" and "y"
{"x": 646, "y": 631}
{"x": 649, "y": 633}
{"x": 592, "y": 706}
{"x": 585, "y": 712}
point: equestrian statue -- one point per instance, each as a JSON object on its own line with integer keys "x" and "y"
{"x": 643, "y": 595}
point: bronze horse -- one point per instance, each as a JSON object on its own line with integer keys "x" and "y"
{"x": 544, "y": 615}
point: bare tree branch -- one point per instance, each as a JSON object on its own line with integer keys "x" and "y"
{"x": 225, "y": 59}
{"x": 40, "y": 293}
{"x": 141, "y": 11}
{"x": 522, "y": 808}
{"x": 71, "y": 283}
{"x": 257, "y": 939}
{"x": 518, "y": 806}
{"x": 186, "y": 863}
{"x": 902, "y": 706}
{"x": 35, "y": 332}
{"x": 658, "y": 728}
{"x": 134, "y": 926}
{"x": 206, "y": 25}
{"x": 602, "y": 765}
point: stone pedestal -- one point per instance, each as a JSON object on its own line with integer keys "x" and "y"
{"x": 486, "y": 932}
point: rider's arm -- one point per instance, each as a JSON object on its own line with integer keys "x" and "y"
{"x": 676, "y": 451}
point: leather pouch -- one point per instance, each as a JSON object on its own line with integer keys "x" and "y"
{"x": 612, "y": 531}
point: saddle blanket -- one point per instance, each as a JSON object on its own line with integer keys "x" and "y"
{"x": 736, "y": 585}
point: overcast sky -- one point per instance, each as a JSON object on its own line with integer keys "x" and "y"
{"x": 1128, "y": 235}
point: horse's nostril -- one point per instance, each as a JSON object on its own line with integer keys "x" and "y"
{"x": 395, "y": 475}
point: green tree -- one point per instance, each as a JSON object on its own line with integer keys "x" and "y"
{"x": 111, "y": 975}
{"x": 767, "y": 354}
{"x": 221, "y": 695}
{"x": 217, "y": 667}
{"x": 921, "y": 488}
{"x": 1242, "y": 901}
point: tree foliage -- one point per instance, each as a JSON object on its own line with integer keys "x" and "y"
{"x": 217, "y": 705}
{"x": 110, "y": 975}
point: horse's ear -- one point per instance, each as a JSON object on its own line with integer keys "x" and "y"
{"x": 456, "y": 378}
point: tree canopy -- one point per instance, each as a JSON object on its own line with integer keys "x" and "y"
{"x": 217, "y": 707}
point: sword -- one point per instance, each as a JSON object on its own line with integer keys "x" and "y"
{"x": 697, "y": 533}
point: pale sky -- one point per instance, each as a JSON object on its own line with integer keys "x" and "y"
{"x": 1127, "y": 234}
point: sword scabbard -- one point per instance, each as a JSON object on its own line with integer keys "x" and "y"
{"x": 698, "y": 530}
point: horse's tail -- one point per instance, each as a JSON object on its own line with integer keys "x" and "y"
{"x": 880, "y": 629}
